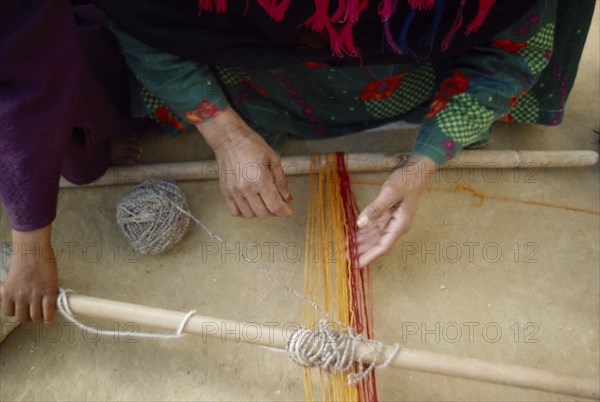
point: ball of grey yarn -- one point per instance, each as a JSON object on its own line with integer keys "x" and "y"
{"x": 151, "y": 216}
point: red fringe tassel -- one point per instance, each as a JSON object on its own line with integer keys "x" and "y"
{"x": 482, "y": 13}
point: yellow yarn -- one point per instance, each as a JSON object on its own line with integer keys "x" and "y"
{"x": 326, "y": 275}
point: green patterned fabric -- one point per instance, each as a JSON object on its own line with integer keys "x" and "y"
{"x": 465, "y": 119}
{"x": 417, "y": 88}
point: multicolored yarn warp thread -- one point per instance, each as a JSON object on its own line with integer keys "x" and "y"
{"x": 332, "y": 274}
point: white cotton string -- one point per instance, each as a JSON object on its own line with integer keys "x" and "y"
{"x": 184, "y": 321}
{"x": 330, "y": 349}
{"x": 62, "y": 303}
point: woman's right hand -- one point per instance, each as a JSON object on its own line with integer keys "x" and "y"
{"x": 251, "y": 177}
{"x": 390, "y": 215}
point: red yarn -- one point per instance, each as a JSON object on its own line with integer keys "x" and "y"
{"x": 359, "y": 285}
{"x": 275, "y": 11}
{"x": 458, "y": 22}
{"x": 482, "y": 13}
{"x": 386, "y": 9}
{"x": 421, "y": 4}
{"x": 207, "y": 5}
{"x": 346, "y": 14}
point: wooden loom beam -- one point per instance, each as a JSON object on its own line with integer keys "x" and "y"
{"x": 376, "y": 162}
{"x": 429, "y": 362}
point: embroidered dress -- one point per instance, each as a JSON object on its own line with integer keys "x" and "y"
{"x": 522, "y": 73}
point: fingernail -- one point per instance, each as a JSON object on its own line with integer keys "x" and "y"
{"x": 290, "y": 198}
{"x": 362, "y": 221}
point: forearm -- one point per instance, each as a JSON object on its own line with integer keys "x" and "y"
{"x": 185, "y": 86}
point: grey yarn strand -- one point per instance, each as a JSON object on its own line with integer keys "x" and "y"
{"x": 147, "y": 218}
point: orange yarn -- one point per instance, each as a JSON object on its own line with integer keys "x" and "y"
{"x": 481, "y": 197}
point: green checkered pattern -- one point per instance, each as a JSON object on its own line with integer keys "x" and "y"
{"x": 527, "y": 109}
{"x": 151, "y": 102}
{"x": 416, "y": 88}
{"x": 229, "y": 75}
{"x": 464, "y": 119}
{"x": 536, "y": 47}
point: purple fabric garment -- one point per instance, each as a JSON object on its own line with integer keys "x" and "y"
{"x": 46, "y": 90}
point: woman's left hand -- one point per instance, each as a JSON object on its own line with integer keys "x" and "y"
{"x": 390, "y": 215}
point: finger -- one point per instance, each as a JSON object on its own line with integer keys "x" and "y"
{"x": 374, "y": 227}
{"x": 379, "y": 249}
{"x": 366, "y": 246}
{"x": 258, "y": 206}
{"x": 49, "y": 307}
{"x": 274, "y": 203}
{"x": 231, "y": 206}
{"x": 367, "y": 232}
{"x": 396, "y": 227}
{"x": 22, "y": 311}
{"x": 385, "y": 200}
{"x": 281, "y": 181}
{"x": 230, "y": 200}
{"x": 35, "y": 310}
{"x": 369, "y": 248}
{"x": 8, "y": 306}
{"x": 244, "y": 208}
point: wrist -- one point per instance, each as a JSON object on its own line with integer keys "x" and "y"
{"x": 423, "y": 164}
{"x": 32, "y": 246}
{"x": 225, "y": 128}
{"x": 41, "y": 235}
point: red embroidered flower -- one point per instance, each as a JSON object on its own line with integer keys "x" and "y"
{"x": 314, "y": 64}
{"x": 380, "y": 89}
{"x": 509, "y": 46}
{"x": 437, "y": 105}
{"x": 205, "y": 110}
{"x": 166, "y": 116}
{"x": 455, "y": 85}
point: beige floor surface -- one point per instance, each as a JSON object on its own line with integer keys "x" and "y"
{"x": 504, "y": 282}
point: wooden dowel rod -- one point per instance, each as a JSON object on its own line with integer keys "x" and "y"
{"x": 300, "y": 165}
{"x": 412, "y": 359}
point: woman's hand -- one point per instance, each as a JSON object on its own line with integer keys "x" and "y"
{"x": 251, "y": 177}
{"x": 383, "y": 221}
{"x": 30, "y": 288}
